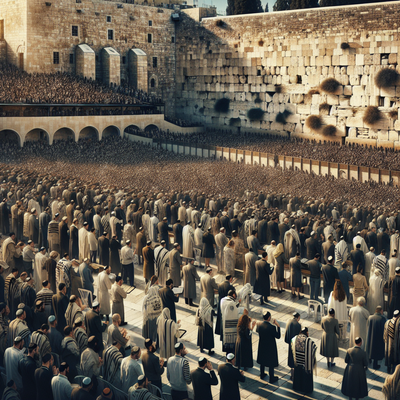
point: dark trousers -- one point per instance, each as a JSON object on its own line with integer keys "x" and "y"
{"x": 179, "y": 395}
{"x": 157, "y": 383}
{"x": 271, "y": 371}
{"x": 128, "y": 272}
{"x": 93, "y": 255}
{"x": 315, "y": 285}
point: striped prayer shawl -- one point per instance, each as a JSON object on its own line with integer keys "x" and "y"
{"x": 18, "y": 327}
{"x": 141, "y": 394}
{"x": 73, "y": 312}
{"x": 304, "y": 350}
{"x": 381, "y": 264}
{"x": 112, "y": 365}
{"x": 81, "y": 338}
{"x": 230, "y": 318}
{"x": 341, "y": 252}
{"x": 43, "y": 343}
{"x": 62, "y": 272}
{"x": 45, "y": 295}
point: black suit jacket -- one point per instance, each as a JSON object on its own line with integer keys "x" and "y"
{"x": 43, "y": 377}
{"x": 312, "y": 248}
{"x": 357, "y": 257}
{"x": 94, "y": 327}
{"x": 230, "y": 376}
{"x": 202, "y": 383}
{"x": 151, "y": 366}
{"x": 169, "y": 299}
{"x": 60, "y": 305}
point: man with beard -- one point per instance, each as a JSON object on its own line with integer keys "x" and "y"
{"x": 153, "y": 366}
{"x": 26, "y": 368}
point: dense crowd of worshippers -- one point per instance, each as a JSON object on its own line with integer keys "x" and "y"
{"x": 17, "y": 86}
{"x": 352, "y": 154}
{"x": 52, "y": 325}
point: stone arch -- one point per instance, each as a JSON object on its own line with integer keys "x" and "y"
{"x": 89, "y": 132}
{"x": 11, "y": 136}
{"x": 130, "y": 129}
{"x": 151, "y": 127}
{"x": 111, "y": 130}
{"x": 37, "y": 134}
{"x": 153, "y": 82}
{"x": 64, "y": 133}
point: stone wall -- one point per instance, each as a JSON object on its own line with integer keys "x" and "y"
{"x": 277, "y": 61}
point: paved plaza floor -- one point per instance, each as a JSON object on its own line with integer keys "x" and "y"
{"x": 327, "y": 382}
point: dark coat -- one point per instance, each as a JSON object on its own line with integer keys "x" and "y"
{"x": 267, "y": 355}
{"x": 372, "y": 240}
{"x": 394, "y": 301}
{"x": 272, "y": 232}
{"x": 283, "y": 228}
{"x": 262, "y": 285}
{"x": 354, "y": 382}
{"x": 262, "y": 231}
{"x": 64, "y": 238}
{"x": 27, "y": 368}
{"x": 329, "y": 340}
{"x": 104, "y": 251}
{"x": 163, "y": 232}
{"x": 43, "y": 377}
{"x": 208, "y": 245}
{"x": 375, "y": 345}
{"x": 244, "y": 349}
{"x": 177, "y": 229}
{"x": 202, "y": 383}
{"x": 60, "y": 305}
{"x": 169, "y": 299}
{"x": 312, "y": 247}
{"x": 225, "y": 223}
{"x": 293, "y": 328}
{"x": 73, "y": 242}
{"x": 383, "y": 243}
{"x": 148, "y": 262}
{"x": 140, "y": 243}
{"x": 295, "y": 272}
{"x": 357, "y": 257}
{"x": 151, "y": 366}
{"x": 94, "y": 327}
{"x": 330, "y": 274}
{"x": 223, "y": 289}
{"x": 230, "y": 376}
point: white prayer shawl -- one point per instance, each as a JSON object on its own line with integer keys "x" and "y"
{"x": 189, "y": 214}
{"x": 358, "y": 317}
{"x": 146, "y": 224}
{"x": 340, "y": 308}
{"x": 244, "y": 295}
{"x": 205, "y": 221}
{"x": 394, "y": 244}
{"x": 271, "y": 261}
{"x": 152, "y": 304}
{"x": 5, "y": 250}
{"x": 394, "y": 262}
{"x": 104, "y": 295}
{"x": 375, "y": 292}
{"x": 161, "y": 257}
{"x": 18, "y": 327}
{"x": 83, "y": 242}
{"x": 188, "y": 241}
{"x": 11, "y": 359}
{"x": 360, "y": 240}
{"x": 230, "y": 317}
{"x": 204, "y": 313}
{"x": 38, "y": 271}
{"x": 369, "y": 259}
{"x": 198, "y": 238}
{"x": 168, "y": 332}
{"x": 221, "y": 241}
{"x": 341, "y": 253}
{"x": 329, "y": 230}
{"x": 112, "y": 366}
{"x": 229, "y": 260}
{"x": 113, "y": 225}
{"x": 55, "y": 209}
{"x": 291, "y": 235}
{"x": 130, "y": 372}
{"x": 34, "y": 204}
{"x": 26, "y": 224}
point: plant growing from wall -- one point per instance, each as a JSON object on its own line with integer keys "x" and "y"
{"x": 329, "y": 130}
{"x": 234, "y": 121}
{"x": 329, "y": 85}
{"x": 344, "y": 45}
{"x": 386, "y": 78}
{"x": 222, "y": 105}
{"x": 324, "y": 108}
{"x": 372, "y": 115}
{"x": 394, "y": 114}
{"x": 314, "y": 122}
{"x": 282, "y": 116}
{"x": 257, "y": 100}
{"x": 255, "y": 114}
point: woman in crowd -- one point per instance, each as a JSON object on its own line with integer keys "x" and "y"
{"x": 338, "y": 301}
{"x": 360, "y": 285}
{"x": 204, "y": 321}
{"x": 243, "y": 348}
{"x": 280, "y": 266}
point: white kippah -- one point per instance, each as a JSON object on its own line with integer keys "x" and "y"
{"x": 230, "y": 356}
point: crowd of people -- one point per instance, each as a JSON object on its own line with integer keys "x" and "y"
{"x": 17, "y": 86}
{"x": 70, "y": 207}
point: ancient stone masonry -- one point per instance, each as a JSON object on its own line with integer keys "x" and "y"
{"x": 274, "y": 68}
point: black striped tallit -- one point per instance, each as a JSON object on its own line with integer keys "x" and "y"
{"x": 112, "y": 363}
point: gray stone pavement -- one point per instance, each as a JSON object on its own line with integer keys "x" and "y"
{"x": 327, "y": 383}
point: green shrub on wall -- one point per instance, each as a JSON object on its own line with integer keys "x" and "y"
{"x": 386, "y": 78}
{"x": 282, "y": 116}
{"x": 372, "y": 115}
{"x": 394, "y": 114}
{"x": 255, "y": 113}
{"x": 222, "y": 105}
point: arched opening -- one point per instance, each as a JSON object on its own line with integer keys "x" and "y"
{"x": 152, "y": 83}
{"x": 64, "y": 134}
{"x": 89, "y": 133}
{"x": 9, "y": 136}
{"x": 132, "y": 130}
{"x": 151, "y": 128}
{"x": 36, "y": 135}
{"x": 110, "y": 131}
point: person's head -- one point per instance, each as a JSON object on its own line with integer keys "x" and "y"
{"x": 358, "y": 341}
{"x": 142, "y": 382}
{"x": 331, "y": 312}
{"x": 119, "y": 280}
{"x": 383, "y": 252}
{"x": 31, "y": 244}
{"x": 108, "y": 270}
{"x": 243, "y": 323}
{"x": 44, "y": 328}
{"x": 72, "y": 299}
{"x": 20, "y": 314}
{"x": 229, "y": 278}
{"x": 150, "y": 346}
{"x": 361, "y": 301}
{"x": 53, "y": 255}
{"x": 87, "y": 384}
{"x": 296, "y": 316}
{"x": 14, "y": 271}
{"x": 116, "y": 319}
{"x": 136, "y": 352}
{"x": 128, "y": 243}
{"x": 231, "y": 243}
{"x": 68, "y": 331}
{"x": 264, "y": 255}
{"x": 148, "y": 243}
{"x": 330, "y": 260}
{"x": 47, "y": 360}
{"x": 396, "y": 314}
{"x": 317, "y": 256}
{"x": 203, "y": 362}
{"x": 379, "y": 310}
{"x": 52, "y": 321}
{"x": 180, "y": 349}
{"x": 176, "y": 246}
{"x": 62, "y": 288}
{"x": 18, "y": 342}
{"x": 96, "y": 306}
{"x": 169, "y": 283}
{"x": 397, "y": 270}
{"x": 267, "y": 316}
{"x": 33, "y": 349}
{"x": 230, "y": 358}
{"x": 64, "y": 368}
{"x": 232, "y": 293}
{"x": 92, "y": 343}
{"x": 304, "y": 331}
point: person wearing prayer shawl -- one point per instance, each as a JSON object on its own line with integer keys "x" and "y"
{"x": 168, "y": 334}
{"x": 112, "y": 364}
{"x": 90, "y": 363}
{"x": 244, "y": 296}
{"x": 381, "y": 264}
{"x": 198, "y": 244}
{"x": 338, "y": 301}
{"x": 139, "y": 390}
{"x": 161, "y": 259}
{"x": 153, "y": 228}
{"x": 18, "y": 327}
{"x": 375, "y": 291}
{"x": 28, "y": 295}
{"x": 12, "y": 292}
{"x": 204, "y": 322}
{"x": 103, "y": 292}
{"x": 341, "y": 253}
{"x": 131, "y": 369}
{"x": 354, "y": 383}
{"x": 358, "y": 316}
{"x": 70, "y": 352}
{"x": 280, "y": 266}
{"x": 221, "y": 241}
{"x": 12, "y": 357}
{"x": 38, "y": 271}
{"x": 369, "y": 259}
{"x": 391, "y": 336}
{"x": 305, "y": 363}
{"x": 230, "y": 317}
{"x": 229, "y": 258}
{"x": 188, "y": 241}
{"x": 83, "y": 240}
{"x": 358, "y": 239}
{"x": 394, "y": 298}
{"x": 151, "y": 310}
{"x": 53, "y": 234}
{"x": 50, "y": 267}
{"x": 391, "y": 387}
{"x": 11, "y": 251}
{"x": 33, "y": 226}
{"x": 74, "y": 310}
{"x": 40, "y": 338}
{"x": 291, "y": 242}
{"x": 375, "y": 345}
{"x": 80, "y": 334}
{"x": 117, "y": 299}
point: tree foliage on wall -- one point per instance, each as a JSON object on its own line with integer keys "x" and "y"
{"x": 236, "y": 7}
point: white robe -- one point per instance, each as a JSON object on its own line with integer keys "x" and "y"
{"x": 38, "y": 273}
{"x": 358, "y": 317}
{"x": 271, "y": 261}
{"x": 83, "y": 244}
{"x": 11, "y": 359}
{"x": 375, "y": 293}
{"x": 146, "y": 224}
{"x": 360, "y": 240}
{"x": 130, "y": 372}
{"x": 369, "y": 259}
{"x": 340, "y": 308}
{"x": 188, "y": 241}
{"x": 104, "y": 295}
{"x": 198, "y": 238}
{"x": 394, "y": 244}
{"x": 394, "y": 262}
{"x": 153, "y": 229}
